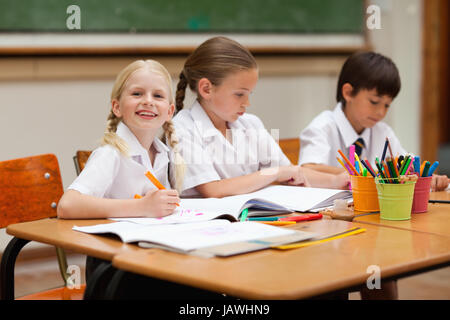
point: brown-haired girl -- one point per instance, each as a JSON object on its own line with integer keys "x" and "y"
{"x": 228, "y": 151}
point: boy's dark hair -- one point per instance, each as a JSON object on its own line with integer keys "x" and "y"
{"x": 369, "y": 70}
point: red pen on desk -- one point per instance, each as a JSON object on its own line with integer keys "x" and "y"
{"x": 303, "y": 217}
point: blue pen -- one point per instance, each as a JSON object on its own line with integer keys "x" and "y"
{"x": 433, "y": 167}
{"x": 417, "y": 164}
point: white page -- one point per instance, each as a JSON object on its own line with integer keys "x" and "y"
{"x": 210, "y": 233}
{"x": 292, "y": 198}
{"x": 189, "y": 236}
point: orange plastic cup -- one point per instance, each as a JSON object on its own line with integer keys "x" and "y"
{"x": 365, "y": 195}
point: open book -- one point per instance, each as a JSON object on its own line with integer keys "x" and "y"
{"x": 208, "y": 238}
{"x": 273, "y": 200}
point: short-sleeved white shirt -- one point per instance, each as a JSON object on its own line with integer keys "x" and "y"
{"x": 331, "y": 131}
{"x": 110, "y": 174}
{"x": 209, "y": 156}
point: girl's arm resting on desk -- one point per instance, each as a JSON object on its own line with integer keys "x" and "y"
{"x": 323, "y": 168}
{"x": 156, "y": 203}
{"x": 291, "y": 175}
{"x": 252, "y": 182}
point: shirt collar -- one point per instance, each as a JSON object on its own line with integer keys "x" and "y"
{"x": 134, "y": 146}
{"x": 202, "y": 121}
{"x": 349, "y": 134}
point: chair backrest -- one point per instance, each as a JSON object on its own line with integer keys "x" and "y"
{"x": 291, "y": 148}
{"x": 80, "y": 159}
{"x": 30, "y": 189}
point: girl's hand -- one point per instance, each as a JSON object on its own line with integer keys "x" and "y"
{"x": 159, "y": 203}
{"x": 292, "y": 175}
{"x": 439, "y": 183}
{"x": 341, "y": 181}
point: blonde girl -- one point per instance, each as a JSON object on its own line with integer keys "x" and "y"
{"x": 141, "y": 104}
{"x": 228, "y": 151}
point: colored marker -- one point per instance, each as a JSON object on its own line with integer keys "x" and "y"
{"x": 421, "y": 168}
{"x": 264, "y": 219}
{"x": 348, "y": 162}
{"x": 368, "y": 166}
{"x": 410, "y": 165}
{"x": 406, "y": 166}
{"x": 359, "y": 161}
{"x": 343, "y": 165}
{"x": 433, "y": 167}
{"x": 303, "y": 217}
{"x": 155, "y": 181}
{"x": 425, "y": 169}
{"x": 417, "y": 164}
{"x": 351, "y": 153}
{"x": 389, "y": 146}
{"x": 244, "y": 214}
{"x": 277, "y": 223}
{"x": 368, "y": 169}
{"x": 384, "y": 150}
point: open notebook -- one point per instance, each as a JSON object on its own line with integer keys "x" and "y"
{"x": 207, "y": 238}
{"x": 272, "y": 200}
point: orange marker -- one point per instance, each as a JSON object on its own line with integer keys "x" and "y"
{"x": 136, "y": 196}
{"x": 277, "y": 223}
{"x": 155, "y": 181}
{"x": 421, "y": 167}
{"x": 349, "y": 163}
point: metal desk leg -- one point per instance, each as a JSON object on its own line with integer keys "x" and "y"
{"x": 7, "y": 267}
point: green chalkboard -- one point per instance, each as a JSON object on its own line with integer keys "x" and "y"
{"x": 191, "y": 16}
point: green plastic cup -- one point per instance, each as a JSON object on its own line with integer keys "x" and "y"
{"x": 395, "y": 198}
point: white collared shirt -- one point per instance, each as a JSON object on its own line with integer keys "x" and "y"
{"x": 209, "y": 156}
{"x": 331, "y": 130}
{"x": 110, "y": 174}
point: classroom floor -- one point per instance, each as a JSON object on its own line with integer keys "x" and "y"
{"x": 38, "y": 274}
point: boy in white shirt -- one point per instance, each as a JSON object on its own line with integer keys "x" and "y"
{"x": 367, "y": 84}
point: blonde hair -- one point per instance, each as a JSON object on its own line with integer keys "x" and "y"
{"x": 169, "y": 137}
{"x": 214, "y": 59}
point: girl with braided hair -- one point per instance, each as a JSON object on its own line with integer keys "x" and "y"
{"x": 141, "y": 104}
{"x": 228, "y": 151}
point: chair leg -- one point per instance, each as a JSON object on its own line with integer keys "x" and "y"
{"x": 98, "y": 281}
{"x": 7, "y": 267}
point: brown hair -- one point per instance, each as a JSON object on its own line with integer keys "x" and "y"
{"x": 369, "y": 70}
{"x": 110, "y": 137}
{"x": 214, "y": 59}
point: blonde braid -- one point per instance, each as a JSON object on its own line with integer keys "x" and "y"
{"x": 110, "y": 137}
{"x": 180, "y": 165}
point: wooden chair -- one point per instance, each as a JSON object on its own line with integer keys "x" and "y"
{"x": 291, "y": 148}
{"x": 30, "y": 189}
{"x": 80, "y": 159}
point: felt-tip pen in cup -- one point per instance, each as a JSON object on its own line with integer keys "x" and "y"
{"x": 244, "y": 214}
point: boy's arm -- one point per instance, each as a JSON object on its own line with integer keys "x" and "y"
{"x": 323, "y": 168}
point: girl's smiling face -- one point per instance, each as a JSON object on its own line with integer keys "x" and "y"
{"x": 229, "y": 100}
{"x": 145, "y": 101}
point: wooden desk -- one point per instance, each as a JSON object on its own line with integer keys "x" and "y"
{"x": 440, "y": 195}
{"x": 298, "y": 273}
{"x": 59, "y": 233}
{"x": 435, "y": 221}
